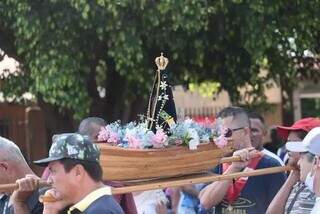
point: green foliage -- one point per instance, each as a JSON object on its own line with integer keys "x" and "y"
{"x": 62, "y": 44}
{"x": 206, "y": 89}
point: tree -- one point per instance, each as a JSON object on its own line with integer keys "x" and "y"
{"x": 83, "y": 57}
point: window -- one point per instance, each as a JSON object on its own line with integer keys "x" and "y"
{"x": 4, "y": 128}
{"x": 310, "y": 107}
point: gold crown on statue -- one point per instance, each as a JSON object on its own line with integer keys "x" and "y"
{"x": 161, "y": 62}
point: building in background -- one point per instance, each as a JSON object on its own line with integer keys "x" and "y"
{"x": 306, "y": 100}
{"x": 194, "y": 105}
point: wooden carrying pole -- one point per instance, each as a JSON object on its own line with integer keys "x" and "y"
{"x": 11, "y": 187}
{"x": 175, "y": 182}
{"x": 182, "y": 181}
{"x": 199, "y": 179}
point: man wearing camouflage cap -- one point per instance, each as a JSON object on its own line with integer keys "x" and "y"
{"x": 76, "y": 175}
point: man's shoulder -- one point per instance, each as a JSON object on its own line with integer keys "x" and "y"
{"x": 267, "y": 161}
{"x": 104, "y": 205}
{"x": 276, "y": 179}
{"x": 274, "y": 156}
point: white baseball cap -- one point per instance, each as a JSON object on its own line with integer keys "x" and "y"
{"x": 311, "y": 143}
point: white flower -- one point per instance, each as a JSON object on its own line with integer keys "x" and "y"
{"x": 195, "y": 139}
{"x": 163, "y": 85}
{"x": 188, "y": 121}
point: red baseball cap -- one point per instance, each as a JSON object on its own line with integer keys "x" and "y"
{"x": 305, "y": 124}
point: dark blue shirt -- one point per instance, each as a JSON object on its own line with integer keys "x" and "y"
{"x": 33, "y": 204}
{"x": 103, "y": 205}
{"x": 257, "y": 193}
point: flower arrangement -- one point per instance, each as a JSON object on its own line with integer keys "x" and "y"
{"x": 189, "y": 133}
{"x": 138, "y": 136}
{"x": 161, "y": 116}
{"x": 132, "y": 135}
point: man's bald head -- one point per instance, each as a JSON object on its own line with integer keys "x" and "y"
{"x": 10, "y": 151}
{"x": 12, "y": 163}
{"x": 91, "y": 126}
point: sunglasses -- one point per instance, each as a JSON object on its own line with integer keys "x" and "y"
{"x": 229, "y": 132}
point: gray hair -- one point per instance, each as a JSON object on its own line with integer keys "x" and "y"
{"x": 240, "y": 116}
{"x": 10, "y": 151}
{"x": 86, "y": 126}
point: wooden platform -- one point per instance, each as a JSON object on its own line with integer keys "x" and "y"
{"x": 120, "y": 164}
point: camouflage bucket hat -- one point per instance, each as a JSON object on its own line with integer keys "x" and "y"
{"x": 73, "y": 146}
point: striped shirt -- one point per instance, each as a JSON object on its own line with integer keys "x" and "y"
{"x": 301, "y": 200}
{"x": 4, "y": 204}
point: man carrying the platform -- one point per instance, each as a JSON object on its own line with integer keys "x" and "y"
{"x": 76, "y": 177}
{"x": 91, "y": 126}
{"x": 308, "y": 149}
{"x": 293, "y": 188}
{"x": 13, "y": 169}
{"x": 244, "y": 195}
{"x": 315, "y": 178}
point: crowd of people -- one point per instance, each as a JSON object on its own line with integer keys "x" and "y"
{"x": 76, "y": 184}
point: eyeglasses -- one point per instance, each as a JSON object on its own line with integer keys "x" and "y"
{"x": 229, "y": 132}
{"x": 254, "y": 131}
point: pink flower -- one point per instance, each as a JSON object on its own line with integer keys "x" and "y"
{"x": 221, "y": 141}
{"x": 103, "y": 134}
{"x": 113, "y": 138}
{"x": 107, "y": 135}
{"x": 133, "y": 142}
{"x": 159, "y": 139}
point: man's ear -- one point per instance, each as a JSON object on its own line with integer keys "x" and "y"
{"x": 314, "y": 167}
{"x": 4, "y": 165}
{"x": 264, "y": 132}
{"x": 78, "y": 171}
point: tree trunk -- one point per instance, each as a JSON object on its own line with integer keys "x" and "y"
{"x": 56, "y": 121}
{"x": 287, "y": 102}
{"x": 115, "y": 99}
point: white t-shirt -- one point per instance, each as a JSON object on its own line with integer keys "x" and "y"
{"x": 147, "y": 201}
{"x": 271, "y": 154}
